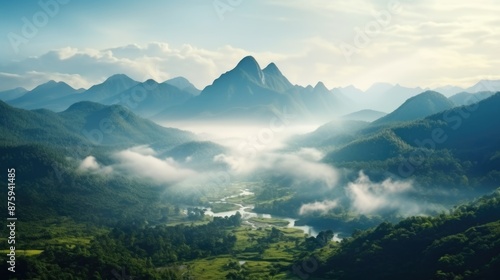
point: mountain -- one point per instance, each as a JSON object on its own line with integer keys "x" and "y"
{"x": 12, "y": 93}
{"x": 322, "y": 101}
{"x": 459, "y": 147}
{"x": 371, "y": 148}
{"x": 395, "y": 96}
{"x": 241, "y": 92}
{"x": 385, "y": 97}
{"x": 196, "y": 154}
{"x": 145, "y": 99}
{"x": 471, "y": 129}
{"x": 461, "y": 244}
{"x": 184, "y": 85}
{"x": 449, "y": 90}
{"x": 275, "y": 79}
{"x": 350, "y": 91}
{"x": 331, "y": 134}
{"x": 250, "y": 93}
{"x": 100, "y": 92}
{"x": 378, "y": 89}
{"x": 18, "y": 126}
{"x": 84, "y": 123}
{"x": 118, "y": 126}
{"x": 110, "y": 87}
{"x": 149, "y": 98}
{"x": 465, "y": 98}
{"x": 43, "y": 96}
{"x": 366, "y": 115}
{"x": 417, "y": 107}
{"x": 484, "y": 85}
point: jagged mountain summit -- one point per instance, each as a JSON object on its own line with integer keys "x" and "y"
{"x": 248, "y": 92}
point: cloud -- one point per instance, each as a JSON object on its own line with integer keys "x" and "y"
{"x": 90, "y": 164}
{"x": 457, "y": 42}
{"x": 31, "y": 79}
{"x": 143, "y": 150}
{"x": 302, "y": 168}
{"x": 367, "y": 197}
{"x": 323, "y": 207}
{"x": 147, "y": 166}
{"x": 142, "y": 162}
{"x": 156, "y": 60}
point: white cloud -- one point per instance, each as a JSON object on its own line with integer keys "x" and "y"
{"x": 147, "y": 166}
{"x": 90, "y": 164}
{"x": 86, "y": 67}
{"x": 322, "y": 207}
{"x": 302, "y": 167}
{"x": 143, "y": 150}
{"x": 369, "y": 197}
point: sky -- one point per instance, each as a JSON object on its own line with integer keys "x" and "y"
{"x": 358, "y": 42}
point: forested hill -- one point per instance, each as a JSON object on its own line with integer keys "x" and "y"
{"x": 84, "y": 123}
{"x": 463, "y": 244}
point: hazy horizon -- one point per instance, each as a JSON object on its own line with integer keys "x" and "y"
{"x": 356, "y": 43}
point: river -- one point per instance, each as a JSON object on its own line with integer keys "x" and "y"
{"x": 246, "y": 214}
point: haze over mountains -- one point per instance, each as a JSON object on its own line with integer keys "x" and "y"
{"x": 104, "y": 157}
{"x": 247, "y": 92}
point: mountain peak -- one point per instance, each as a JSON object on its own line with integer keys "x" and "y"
{"x": 118, "y": 77}
{"x": 248, "y": 60}
{"x": 251, "y": 67}
{"x": 272, "y": 69}
{"x": 84, "y": 106}
{"x": 180, "y": 82}
{"x": 248, "y": 64}
{"x": 418, "y": 107}
{"x": 428, "y": 94}
{"x": 52, "y": 84}
{"x": 485, "y": 85}
{"x": 150, "y": 82}
{"x": 320, "y": 86}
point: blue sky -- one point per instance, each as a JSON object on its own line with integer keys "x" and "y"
{"x": 360, "y": 42}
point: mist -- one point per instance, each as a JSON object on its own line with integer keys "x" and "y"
{"x": 248, "y": 157}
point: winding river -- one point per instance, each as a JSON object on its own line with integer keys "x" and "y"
{"x": 246, "y": 214}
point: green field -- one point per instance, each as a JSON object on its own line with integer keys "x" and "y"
{"x": 270, "y": 221}
{"x": 26, "y": 253}
{"x": 224, "y": 207}
{"x": 255, "y": 256}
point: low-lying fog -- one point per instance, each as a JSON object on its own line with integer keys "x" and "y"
{"x": 261, "y": 153}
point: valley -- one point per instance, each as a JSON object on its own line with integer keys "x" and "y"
{"x": 203, "y": 190}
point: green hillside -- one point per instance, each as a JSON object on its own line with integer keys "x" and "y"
{"x": 464, "y": 244}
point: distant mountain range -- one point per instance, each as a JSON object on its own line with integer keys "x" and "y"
{"x": 247, "y": 92}
{"x": 12, "y": 93}
{"x": 465, "y": 98}
{"x": 44, "y": 96}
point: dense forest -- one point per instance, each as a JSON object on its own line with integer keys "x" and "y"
{"x": 463, "y": 244}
